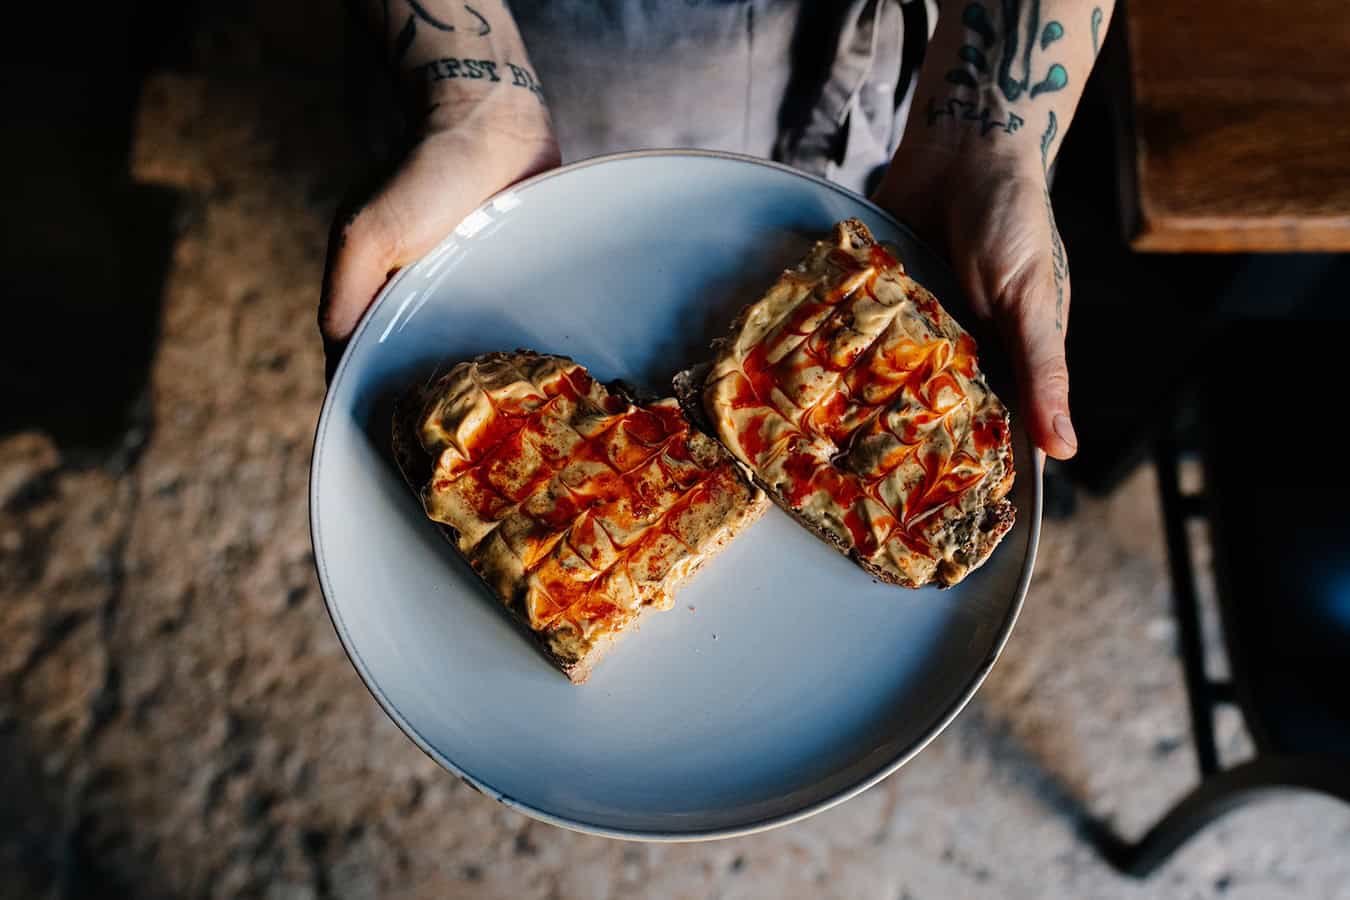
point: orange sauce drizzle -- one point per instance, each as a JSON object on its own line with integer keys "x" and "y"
{"x": 658, "y": 433}
{"x": 869, "y": 378}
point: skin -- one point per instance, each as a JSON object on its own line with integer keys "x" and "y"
{"x": 476, "y": 136}
{"x": 996, "y": 93}
{"x": 999, "y": 86}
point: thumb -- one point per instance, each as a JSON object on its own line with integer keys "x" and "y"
{"x": 430, "y": 193}
{"x": 441, "y": 181}
{"x": 361, "y": 254}
{"x": 1032, "y": 318}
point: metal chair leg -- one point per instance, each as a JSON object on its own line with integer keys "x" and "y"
{"x": 1215, "y": 796}
{"x": 1186, "y": 605}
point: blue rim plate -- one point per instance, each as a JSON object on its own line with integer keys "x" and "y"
{"x": 785, "y": 680}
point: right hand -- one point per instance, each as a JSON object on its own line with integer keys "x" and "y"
{"x": 470, "y": 150}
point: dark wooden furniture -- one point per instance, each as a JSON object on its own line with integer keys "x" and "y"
{"x": 1240, "y": 131}
{"x": 1277, "y": 505}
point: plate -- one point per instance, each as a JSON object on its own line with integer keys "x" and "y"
{"x": 785, "y": 679}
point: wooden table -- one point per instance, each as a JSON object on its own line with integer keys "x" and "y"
{"x": 1240, "y": 132}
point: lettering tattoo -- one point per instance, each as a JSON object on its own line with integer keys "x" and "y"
{"x": 1006, "y": 37}
{"x": 479, "y": 69}
{"x": 1096, "y": 28}
{"x": 970, "y": 112}
{"x": 522, "y": 77}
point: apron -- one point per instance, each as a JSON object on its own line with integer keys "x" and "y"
{"x": 822, "y": 86}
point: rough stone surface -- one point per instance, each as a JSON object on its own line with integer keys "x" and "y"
{"x": 177, "y": 718}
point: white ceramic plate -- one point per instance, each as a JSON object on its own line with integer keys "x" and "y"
{"x": 785, "y": 679}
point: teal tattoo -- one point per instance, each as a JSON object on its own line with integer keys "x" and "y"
{"x": 1047, "y": 136}
{"x": 1053, "y": 32}
{"x": 1012, "y": 73}
{"x": 1096, "y": 26}
{"x": 976, "y": 18}
{"x": 975, "y": 58}
{"x": 1055, "y": 78}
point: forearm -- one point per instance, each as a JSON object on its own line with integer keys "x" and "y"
{"x": 1002, "y": 78}
{"x": 450, "y": 56}
{"x": 996, "y": 93}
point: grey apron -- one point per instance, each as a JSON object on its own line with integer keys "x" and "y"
{"x": 823, "y": 86}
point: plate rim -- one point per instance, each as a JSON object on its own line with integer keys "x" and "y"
{"x": 717, "y": 833}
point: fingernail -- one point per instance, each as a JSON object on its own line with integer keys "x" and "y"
{"x": 1064, "y": 428}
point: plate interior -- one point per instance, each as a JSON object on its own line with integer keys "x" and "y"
{"x": 785, "y": 678}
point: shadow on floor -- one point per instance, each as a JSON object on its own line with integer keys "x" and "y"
{"x": 47, "y": 842}
{"x": 84, "y": 261}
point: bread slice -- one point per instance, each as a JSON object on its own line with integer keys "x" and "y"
{"x": 580, "y": 508}
{"x": 859, "y": 406}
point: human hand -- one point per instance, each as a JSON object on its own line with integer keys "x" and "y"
{"x": 990, "y": 215}
{"x": 470, "y": 150}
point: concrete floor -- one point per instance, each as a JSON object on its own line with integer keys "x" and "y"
{"x": 177, "y": 718}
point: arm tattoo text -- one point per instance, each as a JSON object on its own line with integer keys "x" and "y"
{"x": 479, "y": 69}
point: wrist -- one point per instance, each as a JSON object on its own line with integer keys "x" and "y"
{"x": 496, "y": 105}
{"x": 955, "y": 148}
{"x": 498, "y": 81}
{"x": 495, "y": 135}
{"x": 942, "y": 186}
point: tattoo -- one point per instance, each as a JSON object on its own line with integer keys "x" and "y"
{"x": 976, "y": 18}
{"x": 1053, "y": 32}
{"x": 1014, "y": 34}
{"x": 1096, "y": 27}
{"x": 1059, "y": 263}
{"x": 970, "y": 112}
{"x": 1055, "y": 78}
{"x": 420, "y": 13}
{"x": 1051, "y": 127}
{"x": 483, "y": 27}
{"x": 522, "y": 77}
{"x": 478, "y": 69}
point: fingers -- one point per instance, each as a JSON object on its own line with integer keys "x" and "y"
{"x": 439, "y": 183}
{"x": 369, "y": 242}
{"x": 1032, "y": 319}
{"x": 361, "y": 253}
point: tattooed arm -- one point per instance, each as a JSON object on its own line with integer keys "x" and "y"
{"x": 480, "y": 125}
{"x": 998, "y": 88}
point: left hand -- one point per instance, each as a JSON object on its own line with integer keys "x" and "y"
{"x": 990, "y": 215}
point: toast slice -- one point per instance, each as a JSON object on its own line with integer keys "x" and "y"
{"x": 580, "y": 508}
{"x": 859, "y": 405}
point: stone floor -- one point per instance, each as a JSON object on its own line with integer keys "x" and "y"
{"x": 177, "y": 718}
